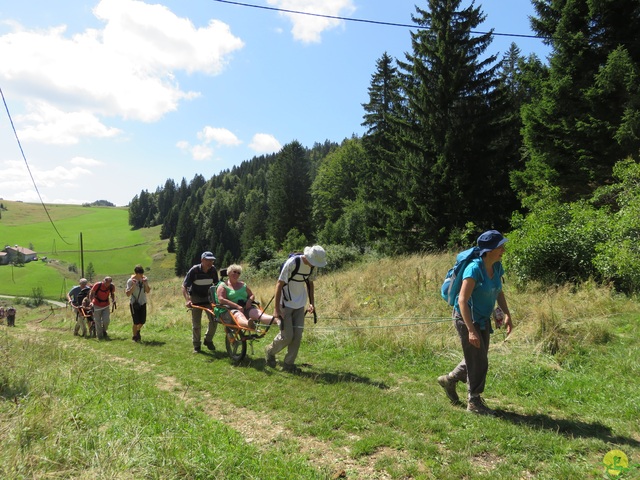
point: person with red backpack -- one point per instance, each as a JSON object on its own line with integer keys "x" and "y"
{"x": 100, "y": 293}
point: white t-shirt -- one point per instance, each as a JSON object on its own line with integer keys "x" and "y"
{"x": 294, "y": 292}
{"x": 137, "y": 292}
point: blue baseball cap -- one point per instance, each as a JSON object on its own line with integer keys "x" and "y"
{"x": 490, "y": 240}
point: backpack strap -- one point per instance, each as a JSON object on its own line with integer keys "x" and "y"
{"x": 305, "y": 277}
{"x": 139, "y": 293}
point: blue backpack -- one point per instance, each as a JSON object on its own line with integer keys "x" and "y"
{"x": 453, "y": 280}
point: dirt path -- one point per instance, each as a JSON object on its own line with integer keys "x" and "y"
{"x": 261, "y": 430}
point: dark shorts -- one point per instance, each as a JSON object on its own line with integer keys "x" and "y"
{"x": 139, "y": 316}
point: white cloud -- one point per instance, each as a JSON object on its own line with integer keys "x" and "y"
{"x": 47, "y": 124}
{"x": 126, "y": 69}
{"x": 264, "y": 143}
{"x": 201, "y": 152}
{"x": 221, "y": 136}
{"x": 86, "y": 162}
{"x": 198, "y": 152}
{"x": 16, "y": 180}
{"x": 307, "y": 28}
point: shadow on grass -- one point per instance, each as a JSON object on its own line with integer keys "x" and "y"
{"x": 318, "y": 377}
{"x": 342, "y": 377}
{"x": 152, "y": 343}
{"x": 13, "y": 393}
{"x": 573, "y": 428}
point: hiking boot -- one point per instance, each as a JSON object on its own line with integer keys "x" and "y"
{"x": 270, "y": 360}
{"x": 477, "y": 405}
{"x": 210, "y": 346}
{"x": 449, "y": 386}
{"x": 291, "y": 369}
{"x": 196, "y": 349}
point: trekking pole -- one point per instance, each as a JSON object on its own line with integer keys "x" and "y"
{"x": 272, "y": 318}
{"x": 315, "y": 315}
{"x": 265, "y": 308}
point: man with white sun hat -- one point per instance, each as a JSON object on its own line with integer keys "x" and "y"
{"x": 293, "y": 288}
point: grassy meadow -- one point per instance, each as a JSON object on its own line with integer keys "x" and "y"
{"x": 366, "y": 406}
{"x": 108, "y": 243}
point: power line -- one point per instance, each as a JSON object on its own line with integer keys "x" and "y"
{"x": 373, "y": 22}
{"x": 28, "y": 169}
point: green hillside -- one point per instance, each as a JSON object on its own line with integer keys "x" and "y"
{"x": 102, "y": 234}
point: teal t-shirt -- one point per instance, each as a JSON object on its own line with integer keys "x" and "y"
{"x": 485, "y": 293}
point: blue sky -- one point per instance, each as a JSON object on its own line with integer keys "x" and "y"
{"x": 110, "y": 97}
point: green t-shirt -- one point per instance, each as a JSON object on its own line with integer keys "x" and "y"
{"x": 234, "y": 296}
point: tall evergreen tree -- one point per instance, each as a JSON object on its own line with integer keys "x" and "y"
{"x": 253, "y": 220}
{"x": 337, "y": 181}
{"x": 165, "y": 199}
{"x": 185, "y": 233}
{"x": 519, "y": 78}
{"x": 572, "y": 134}
{"x": 385, "y": 175}
{"x": 289, "y": 197}
{"x": 452, "y": 126}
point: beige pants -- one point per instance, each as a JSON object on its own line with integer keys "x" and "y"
{"x": 290, "y": 336}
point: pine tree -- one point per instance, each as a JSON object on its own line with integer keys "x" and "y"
{"x": 385, "y": 176}
{"x": 289, "y": 197}
{"x": 575, "y": 132}
{"x": 454, "y": 109}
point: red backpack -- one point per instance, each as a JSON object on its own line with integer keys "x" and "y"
{"x": 102, "y": 295}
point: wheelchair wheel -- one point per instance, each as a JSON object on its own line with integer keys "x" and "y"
{"x": 236, "y": 343}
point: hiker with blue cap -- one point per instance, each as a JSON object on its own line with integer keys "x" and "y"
{"x": 481, "y": 289}
{"x": 195, "y": 289}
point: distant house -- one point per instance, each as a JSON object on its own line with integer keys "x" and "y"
{"x": 19, "y": 254}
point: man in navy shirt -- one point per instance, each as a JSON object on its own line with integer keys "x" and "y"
{"x": 195, "y": 289}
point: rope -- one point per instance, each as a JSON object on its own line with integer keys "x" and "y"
{"x": 419, "y": 317}
{"x": 434, "y": 321}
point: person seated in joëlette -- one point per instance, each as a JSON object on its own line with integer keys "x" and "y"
{"x": 237, "y": 299}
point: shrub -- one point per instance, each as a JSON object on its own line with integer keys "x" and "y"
{"x": 618, "y": 256}
{"x": 556, "y": 243}
{"x": 338, "y": 256}
{"x": 258, "y": 253}
{"x": 37, "y": 297}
